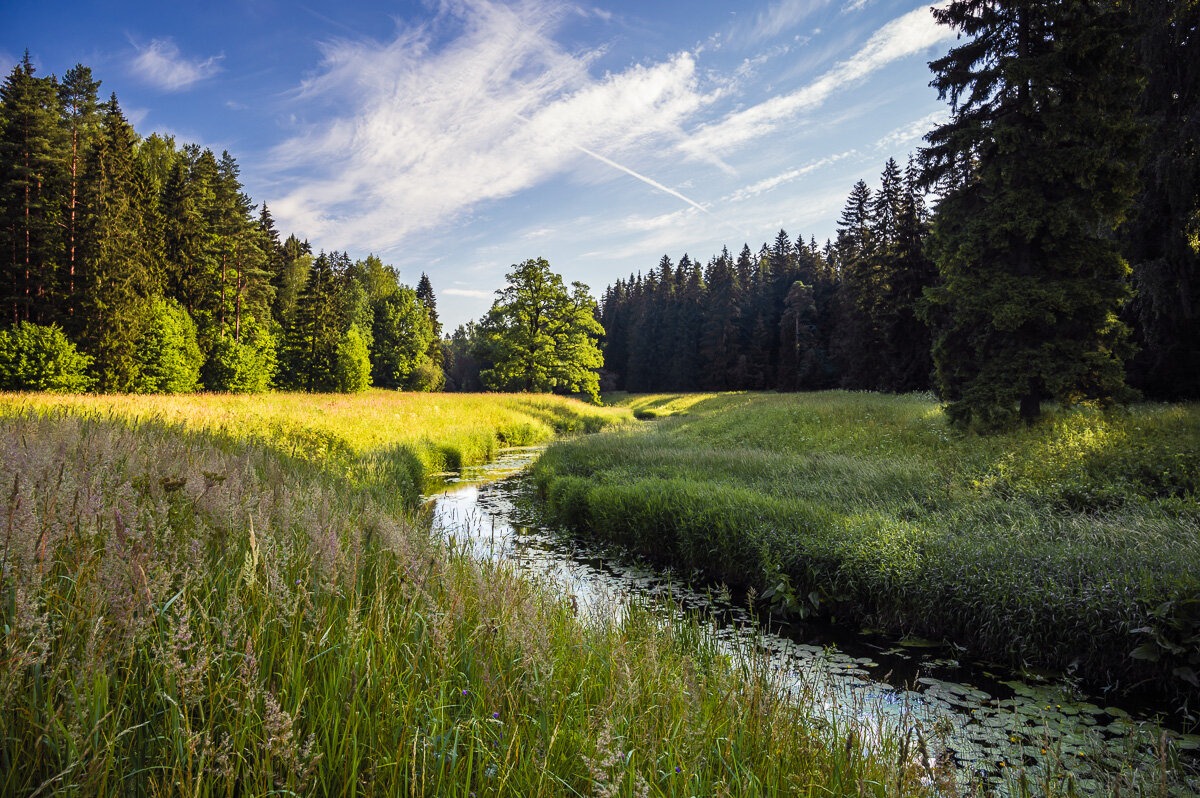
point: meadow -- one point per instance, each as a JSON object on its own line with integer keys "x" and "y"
{"x": 217, "y": 595}
{"x": 398, "y": 440}
{"x": 1069, "y": 546}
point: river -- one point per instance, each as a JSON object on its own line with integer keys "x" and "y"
{"x": 990, "y": 723}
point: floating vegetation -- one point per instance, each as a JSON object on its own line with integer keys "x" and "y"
{"x": 992, "y": 736}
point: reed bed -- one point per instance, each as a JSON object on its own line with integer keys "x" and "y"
{"x": 187, "y": 611}
{"x": 1071, "y": 545}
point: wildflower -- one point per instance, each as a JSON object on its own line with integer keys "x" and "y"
{"x": 464, "y": 693}
{"x": 496, "y": 715}
{"x": 677, "y": 770}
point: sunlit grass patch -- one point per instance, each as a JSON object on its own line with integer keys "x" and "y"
{"x": 384, "y": 436}
{"x": 1071, "y": 544}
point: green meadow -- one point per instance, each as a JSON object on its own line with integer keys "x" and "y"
{"x": 394, "y": 439}
{"x": 1072, "y": 545}
{"x": 222, "y": 596}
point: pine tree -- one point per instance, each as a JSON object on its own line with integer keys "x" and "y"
{"x": 33, "y": 151}
{"x": 314, "y": 332}
{"x": 859, "y": 248}
{"x": 1161, "y": 238}
{"x": 429, "y": 302}
{"x": 78, "y": 100}
{"x": 115, "y": 265}
{"x": 1038, "y": 158}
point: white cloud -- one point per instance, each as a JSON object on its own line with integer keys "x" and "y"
{"x": 775, "y": 19}
{"x": 422, "y": 135}
{"x": 770, "y": 183}
{"x": 902, "y": 37}
{"x": 854, "y": 5}
{"x": 473, "y": 293}
{"x": 912, "y": 132}
{"x": 161, "y": 64}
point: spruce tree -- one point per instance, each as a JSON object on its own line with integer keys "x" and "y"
{"x": 859, "y": 249}
{"x": 1038, "y": 163}
{"x": 81, "y": 116}
{"x": 721, "y": 324}
{"x": 33, "y": 158}
{"x": 429, "y": 302}
{"x": 314, "y": 332}
{"x": 115, "y": 263}
{"x": 1162, "y": 236}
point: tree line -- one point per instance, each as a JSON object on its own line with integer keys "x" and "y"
{"x": 1059, "y": 261}
{"x": 136, "y": 265}
{"x": 791, "y": 316}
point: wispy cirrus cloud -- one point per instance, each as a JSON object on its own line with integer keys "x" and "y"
{"x": 425, "y": 133}
{"x": 776, "y": 18}
{"x": 908, "y": 35}
{"x": 790, "y": 176}
{"x": 161, "y": 64}
{"x": 913, "y": 132}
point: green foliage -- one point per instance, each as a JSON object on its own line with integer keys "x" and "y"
{"x": 1037, "y": 167}
{"x": 311, "y": 338}
{"x": 1069, "y": 544}
{"x": 32, "y": 175}
{"x": 1161, "y": 236}
{"x": 245, "y": 366}
{"x": 168, "y": 357}
{"x": 428, "y": 376}
{"x": 539, "y": 337}
{"x": 402, "y": 336}
{"x": 35, "y": 357}
{"x": 353, "y": 362}
{"x": 116, "y": 254}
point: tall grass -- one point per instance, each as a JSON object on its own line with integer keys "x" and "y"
{"x": 398, "y": 439}
{"x": 187, "y": 612}
{"x": 1071, "y": 545}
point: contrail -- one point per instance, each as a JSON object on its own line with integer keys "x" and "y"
{"x": 648, "y": 181}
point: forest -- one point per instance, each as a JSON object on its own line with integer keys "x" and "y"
{"x": 989, "y": 257}
{"x": 140, "y": 266}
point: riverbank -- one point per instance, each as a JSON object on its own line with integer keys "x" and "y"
{"x": 1070, "y": 546}
{"x": 201, "y": 608}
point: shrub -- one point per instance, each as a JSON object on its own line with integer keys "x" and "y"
{"x": 427, "y": 377}
{"x": 36, "y": 357}
{"x": 353, "y": 362}
{"x": 245, "y": 366}
{"x": 168, "y": 356}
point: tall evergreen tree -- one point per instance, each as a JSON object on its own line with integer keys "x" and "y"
{"x": 115, "y": 264}
{"x": 311, "y": 339}
{"x": 859, "y": 249}
{"x": 1161, "y": 238}
{"x": 429, "y": 302}
{"x": 1042, "y": 99}
{"x": 80, "y": 107}
{"x": 32, "y": 175}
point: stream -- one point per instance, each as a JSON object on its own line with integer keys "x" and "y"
{"x": 989, "y": 722}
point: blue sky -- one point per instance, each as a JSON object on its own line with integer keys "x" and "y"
{"x": 457, "y": 137}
